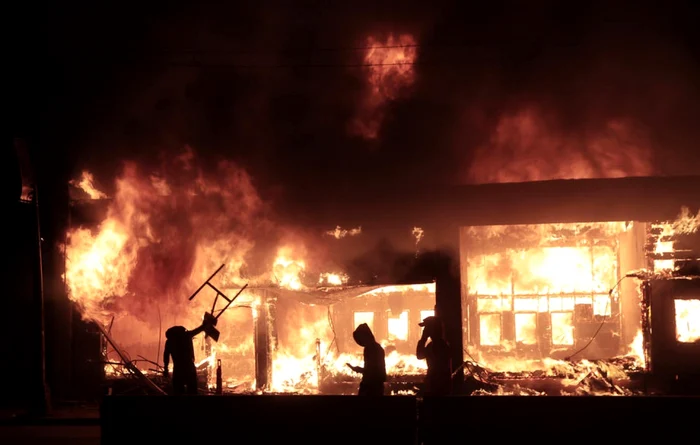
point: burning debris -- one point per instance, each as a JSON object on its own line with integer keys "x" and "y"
{"x": 584, "y": 378}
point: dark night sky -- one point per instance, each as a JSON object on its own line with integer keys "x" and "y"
{"x": 96, "y": 84}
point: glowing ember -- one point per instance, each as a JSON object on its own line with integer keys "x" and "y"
{"x": 417, "y": 234}
{"x": 339, "y": 233}
{"x": 687, "y": 320}
{"x": 332, "y": 279}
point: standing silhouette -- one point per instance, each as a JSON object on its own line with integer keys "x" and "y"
{"x": 178, "y": 344}
{"x": 438, "y": 381}
{"x": 374, "y": 370}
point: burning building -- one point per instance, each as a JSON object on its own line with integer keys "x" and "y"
{"x": 538, "y": 291}
{"x": 326, "y": 317}
{"x": 284, "y": 329}
{"x": 549, "y": 288}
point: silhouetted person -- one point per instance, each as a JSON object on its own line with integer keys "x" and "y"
{"x": 178, "y": 344}
{"x": 438, "y": 381}
{"x": 374, "y": 370}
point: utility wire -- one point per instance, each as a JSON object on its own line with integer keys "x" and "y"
{"x": 274, "y": 66}
{"x": 297, "y": 50}
{"x": 301, "y": 65}
{"x": 307, "y": 50}
{"x": 605, "y": 317}
{"x": 199, "y": 58}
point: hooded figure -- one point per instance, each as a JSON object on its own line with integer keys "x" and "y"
{"x": 178, "y": 344}
{"x": 374, "y": 370}
{"x": 438, "y": 380}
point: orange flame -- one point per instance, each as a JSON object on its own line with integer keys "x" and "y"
{"x": 523, "y": 148}
{"x": 288, "y": 270}
{"x": 164, "y": 234}
{"x": 389, "y": 72}
{"x": 87, "y": 185}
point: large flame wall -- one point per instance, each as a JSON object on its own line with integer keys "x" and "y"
{"x": 542, "y": 291}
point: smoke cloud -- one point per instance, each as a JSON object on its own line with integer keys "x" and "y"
{"x": 505, "y": 92}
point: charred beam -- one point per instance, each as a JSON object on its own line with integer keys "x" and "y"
{"x": 560, "y": 201}
{"x": 263, "y": 338}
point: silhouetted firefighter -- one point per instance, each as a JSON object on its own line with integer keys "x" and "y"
{"x": 178, "y": 344}
{"x": 438, "y": 381}
{"x": 374, "y": 370}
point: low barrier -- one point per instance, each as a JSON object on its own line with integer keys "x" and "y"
{"x": 393, "y": 420}
{"x": 258, "y": 419}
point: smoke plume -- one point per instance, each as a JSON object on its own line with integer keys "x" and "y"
{"x": 297, "y": 95}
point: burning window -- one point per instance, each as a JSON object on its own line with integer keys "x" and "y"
{"x": 490, "y": 329}
{"x": 497, "y": 304}
{"x": 426, "y": 314}
{"x": 514, "y": 273}
{"x": 398, "y": 327}
{"x": 687, "y": 320}
{"x": 672, "y": 243}
{"x": 562, "y": 328}
{"x": 363, "y": 317}
{"x": 526, "y": 328}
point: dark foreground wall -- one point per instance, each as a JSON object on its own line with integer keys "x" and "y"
{"x": 599, "y": 419}
{"x": 258, "y": 419}
{"x": 393, "y": 420}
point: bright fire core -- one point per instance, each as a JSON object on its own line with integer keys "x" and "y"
{"x": 687, "y": 320}
{"x": 536, "y": 289}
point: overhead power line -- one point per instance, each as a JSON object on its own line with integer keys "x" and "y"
{"x": 192, "y": 58}
{"x": 282, "y": 66}
{"x": 311, "y": 49}
{"x": 288, "y": 50}
{"x": 195, "y": 63}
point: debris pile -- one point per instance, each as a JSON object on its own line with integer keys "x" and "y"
{"x": 582, "y": 378}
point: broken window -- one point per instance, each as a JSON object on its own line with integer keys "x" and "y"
{"x": 526, "y": 328}
{"x": 490, "y": 329}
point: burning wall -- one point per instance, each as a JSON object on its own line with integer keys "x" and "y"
{"x": 313, "y": 336}
{"x": 133, "y": 265}
{"x": 533, "y": 293}
{"x": 543, "y": 291}
{"x": 393, "y": 314}
{"x": 672, "y": 296}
